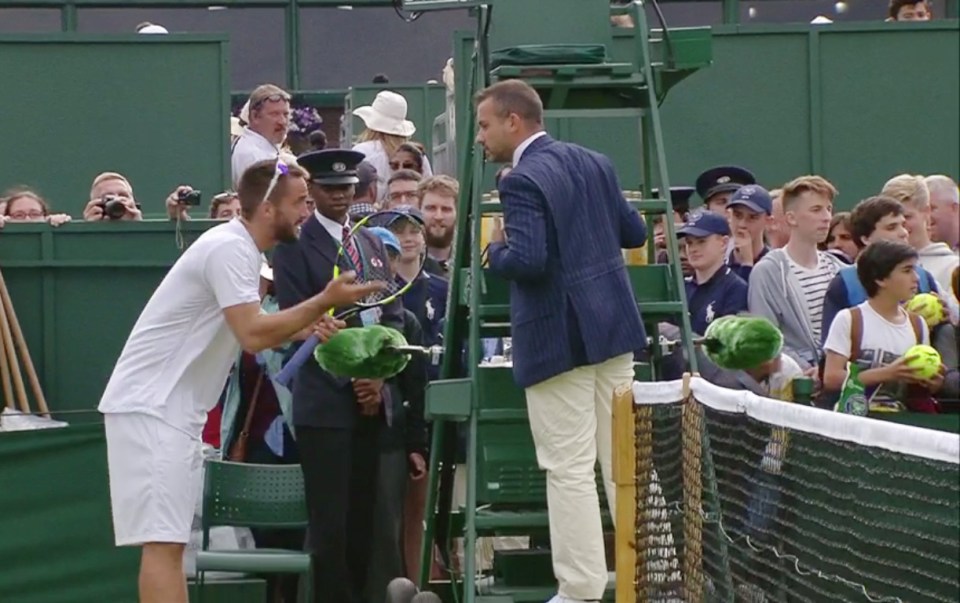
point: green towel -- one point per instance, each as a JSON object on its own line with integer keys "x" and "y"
{"x": 362, "y": 353}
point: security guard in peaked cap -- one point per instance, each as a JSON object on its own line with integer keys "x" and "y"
{"x": 332, "y": 167}
{"x": 679, "y": 199}
{"x": 716, "y": 185}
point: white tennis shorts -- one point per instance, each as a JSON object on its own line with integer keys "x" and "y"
{"x": 155, "y": 473}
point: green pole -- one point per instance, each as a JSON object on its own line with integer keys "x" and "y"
{"x": 731, "y": 11}
{"x": 292, "y": 38}
{"x": 68, "y": 17}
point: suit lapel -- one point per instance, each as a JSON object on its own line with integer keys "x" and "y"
{"x": 316, "y": 237}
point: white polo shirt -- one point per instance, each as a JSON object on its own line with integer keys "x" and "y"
{"x": 250, "y": 148}
{"x": 176, "y": 361}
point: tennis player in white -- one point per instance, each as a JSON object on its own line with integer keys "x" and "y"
{"x": 177, "y": 359}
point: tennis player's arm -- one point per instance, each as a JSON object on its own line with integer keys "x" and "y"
{"x": 523, "y": 255}
{"x": 257, "y": 331}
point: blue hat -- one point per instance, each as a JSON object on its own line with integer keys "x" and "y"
{"x": 679, "y": 197}
{"x": 723, "y": 179}
{"x": 390, "y": 240}
{"x": 401, "y": 212}
{"x": 332, "y": 166}
{"x": 704, "y": 224}
{"x": 754, "y": 197}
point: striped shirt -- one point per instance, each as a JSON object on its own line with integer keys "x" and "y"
{"x": 814, "y": 282}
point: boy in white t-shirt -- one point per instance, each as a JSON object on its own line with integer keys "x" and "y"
{"x": 176, "y": 360}
{"x": 877, "y": 333}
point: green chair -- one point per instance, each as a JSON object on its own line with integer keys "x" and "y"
{"x": 252, "y": 496}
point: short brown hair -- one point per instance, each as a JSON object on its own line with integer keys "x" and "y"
{"x": 514, "y": 96}
{"x": 405, "y": 175}
{"x": 804, "y": 184}
{"x": 895, "y": 5}
{"x": 256, "y": 179}
{"x": 839, "y": 219}
{"x": 220, "y": 199}
{"x": 907, "y": 188}
{"x": 439, "y": 185}
{"x": 21, "y": 192}
{"x": 866, "y": 215}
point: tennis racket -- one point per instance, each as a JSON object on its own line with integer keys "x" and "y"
{"x": 354, "y": 255}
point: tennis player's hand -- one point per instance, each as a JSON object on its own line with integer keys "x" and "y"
{"x": 327, "y": 327}
{"x": 344, "y": 290}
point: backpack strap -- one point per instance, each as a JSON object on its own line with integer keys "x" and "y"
{"x": 856, "y": 333}
{"x": 915, "y": 322}
{"x": 923, "y": 280}
{"x": 856, "y": 294}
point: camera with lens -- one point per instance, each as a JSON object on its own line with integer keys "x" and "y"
{"x": 113, "y": 207}
{"x": 188, "y": 197}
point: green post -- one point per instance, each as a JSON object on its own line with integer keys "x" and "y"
{"x": 292, "y": 39}
{"x": 731, "y": 11}
{"x": 68, "y": 17}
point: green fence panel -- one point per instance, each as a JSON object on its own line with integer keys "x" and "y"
{"x": 78, "y": 290}
{"x": 424, "y": 103}
{"x": 154, "y": 108}
{"x": 57, "y": 535}
{"x": 855, "y": 103}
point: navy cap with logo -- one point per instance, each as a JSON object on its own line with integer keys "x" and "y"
{"x": 400, "y": 212}
{"x": 753, "y": 197}
{"x": 679, "y": 197}
{"x": 332, "y": 166}
{"x": 723, "y": 179}
{"x": 703, "y": 224}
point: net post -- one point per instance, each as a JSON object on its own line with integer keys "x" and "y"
{"x": 692, "y": 427}
{"x": 624, "y": 462}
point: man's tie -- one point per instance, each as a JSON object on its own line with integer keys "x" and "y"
{"x": 352, "y": 252}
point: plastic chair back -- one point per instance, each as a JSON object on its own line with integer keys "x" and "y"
{"x": 253, "y": 496}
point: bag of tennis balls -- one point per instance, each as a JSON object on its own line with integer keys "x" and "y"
{"x": 929, "y": 307}
{"x": 924, "y": 360}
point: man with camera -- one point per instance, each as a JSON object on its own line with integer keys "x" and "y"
{"x": 111, "y": 198}
{"x": 180, "y": 201}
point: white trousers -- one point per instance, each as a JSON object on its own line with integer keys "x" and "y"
{"x": 571, "y": 419}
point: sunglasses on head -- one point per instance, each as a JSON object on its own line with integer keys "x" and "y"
{"x": 273, "y": 98}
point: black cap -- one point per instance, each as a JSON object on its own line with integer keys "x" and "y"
{"x": 679, "y": 197}
{"x": 332, "y": 166}
{"x": 723, "y": 179}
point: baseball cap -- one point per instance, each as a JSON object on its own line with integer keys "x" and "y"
{"x": 704, "y": 224}
{"x": 390, "y": 240}
{"x": 754, "y": 197}
{"x": 402, "y": 212}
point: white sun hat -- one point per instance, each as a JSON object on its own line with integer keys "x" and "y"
{"x": 387, "y": 114}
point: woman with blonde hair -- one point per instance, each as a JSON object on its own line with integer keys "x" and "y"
{"x": 387, "y": 127}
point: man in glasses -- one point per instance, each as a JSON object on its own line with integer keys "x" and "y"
{"x": 402, "y": 189}
{"x": 262, "y": 137}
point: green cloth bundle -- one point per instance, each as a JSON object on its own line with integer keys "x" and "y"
{"x": 742, "y": 342}
{"x": 363, "y": 353}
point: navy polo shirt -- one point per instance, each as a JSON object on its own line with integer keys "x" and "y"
{"x": 723, "y": 294}
{"x": 741, "y": 270}
{"x": 427, "y": 299}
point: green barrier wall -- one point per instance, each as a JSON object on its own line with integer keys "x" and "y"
{"x": 857, "y": 104}
{"x": 56, "y": 536}
{"x": 154, "y": 108}
{"x": 78, "y": 290}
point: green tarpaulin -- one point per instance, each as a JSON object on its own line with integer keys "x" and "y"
{"x": 56, "y": 538}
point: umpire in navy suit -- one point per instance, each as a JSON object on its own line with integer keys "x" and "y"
{"x": 575, "y": 322}
{"x": 337, "y": 420}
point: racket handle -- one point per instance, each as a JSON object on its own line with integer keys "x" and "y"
{"x": 286, "y": 374}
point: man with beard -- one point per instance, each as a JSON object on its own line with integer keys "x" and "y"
{"x": 337, "y": 420}
{"x": 438, "y": 202}
{"x": 177, "y": 358}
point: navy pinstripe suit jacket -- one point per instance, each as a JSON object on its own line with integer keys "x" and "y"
{"x": 566, "y": 221}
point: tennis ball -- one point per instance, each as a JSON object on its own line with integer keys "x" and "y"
{"x": 928, "y": 306}
{"x": 925, "y": 361}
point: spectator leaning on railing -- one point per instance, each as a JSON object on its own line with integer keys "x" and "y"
{"x": 25, "y": 205}
{"x": 111, "y": 198}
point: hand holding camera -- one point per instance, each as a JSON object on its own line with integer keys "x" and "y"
{"x": 112, "y": 207}
{"x": 180, "y": 201}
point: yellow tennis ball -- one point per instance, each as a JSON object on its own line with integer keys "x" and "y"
{"x": 924, "y": 360}
{"x": 929, "y": 307}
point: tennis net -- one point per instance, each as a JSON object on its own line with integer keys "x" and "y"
{"x": 743, "y": 498}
